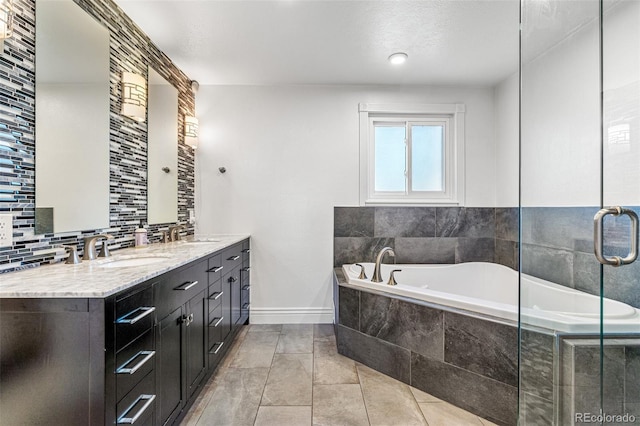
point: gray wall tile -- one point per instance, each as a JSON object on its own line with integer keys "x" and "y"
{"x": 485, "y": 397}
{"x": 535, "y": 410}
{"x": 353, "y": 221}
{"x": 484, "y": 347}
{"x": 465, "y": 222}
{"x": 409, "y": 325}
{"x": 358, "y": 249}
{"x": 405, "y": 222}
{"x": 632, "y": 375}
{"x": 536, "y": 363}
{"x": 384, "y": 357}
{"x": 475, "y": 250}
{"x": 507, "y": 253}
{"x": 557, "y": 227}
{"x": 507, "y": 223}
{"x": 425, "y": 250}
{"x": 349, "y": 307}
{"x": 548, "y": 263}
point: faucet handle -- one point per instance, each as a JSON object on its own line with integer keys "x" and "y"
{"x": 362, "y": 275}
{"x": 392, "y": 280}
{"x": 104, "y": 251}
{"x": 73, "y": 258}
{"x": 165, "y": 237}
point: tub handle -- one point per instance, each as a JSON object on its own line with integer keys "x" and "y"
{"x": 362, "y": 275}
{"x": 598, "y": 240}
{"x": 392, "y": 279}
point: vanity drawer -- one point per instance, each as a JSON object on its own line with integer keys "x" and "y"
{"x": 180, "y": 287}
{"x": 232, "y": 257}
{"x": 215, "y": 268}
{"x": 135, "y": 314}
{"x": 133, "y": 363}
{"x": 216, "y": 294}
{"x": 138, "y": 406}
{"x": 246, "y": 253}
{"x": 217, "y": 325}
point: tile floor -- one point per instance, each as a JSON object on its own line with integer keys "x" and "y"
{"x": 290, "y": 375}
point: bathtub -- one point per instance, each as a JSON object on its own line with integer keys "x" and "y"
{"x": 492, "y": 289}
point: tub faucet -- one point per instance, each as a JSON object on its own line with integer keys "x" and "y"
{"x": 377, "y": 275}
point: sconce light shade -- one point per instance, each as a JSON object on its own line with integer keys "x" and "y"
{"x": 6, "y": 19}
{"x": 191, "y": 131}
{"x": 134, "y": 96}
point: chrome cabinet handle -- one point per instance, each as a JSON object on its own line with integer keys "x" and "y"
{"x": 234, "y": 258}
{"x": 232, "y": 279}
{"x": 218, "y": 322}
{"x": 246, "y": 251}
{"x": 124, "y": 370}
{"x": 187, "y": 319}
{"x": 246, "y": 287}
{"x": 217, "y": 295}
{"x": 245, "y": 306}
{"x": 217, "y": 349}
{"x": 186, "y": 286}
{"x": 246, "y": 269}
{"x": 216, "y": 269}
{"x": 123, "y": 419}
{"x": 146, "y": 310}
{"x": 598, "y": 238}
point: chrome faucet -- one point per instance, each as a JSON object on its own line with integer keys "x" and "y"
{"x": 90, "y": 246}
{"x": 377, "y": 275}
{"x": 174, "y": 232}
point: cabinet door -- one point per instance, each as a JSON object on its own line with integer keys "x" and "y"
{"x": 169, "y": 364}
{"x": 236, "y": 295}
{"x": 195, "y": 330}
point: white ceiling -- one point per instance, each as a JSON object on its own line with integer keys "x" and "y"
{"x": 449, "y": 42}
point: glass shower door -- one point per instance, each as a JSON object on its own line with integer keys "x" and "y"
{"x": 580, "y": 152}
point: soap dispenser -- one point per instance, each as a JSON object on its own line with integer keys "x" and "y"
{"x": 141, "y": 237}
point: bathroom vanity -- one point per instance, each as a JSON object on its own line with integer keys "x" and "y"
{"x": 127, "y": 339}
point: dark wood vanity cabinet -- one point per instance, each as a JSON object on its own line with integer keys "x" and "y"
{"x": 140, "y": 355}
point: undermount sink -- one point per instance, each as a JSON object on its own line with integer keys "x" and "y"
{"x": 133, "y": 261}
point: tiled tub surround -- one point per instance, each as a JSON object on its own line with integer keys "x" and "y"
{"x": 469, "y": 361}
{"x": 427, "y": 235}
{"x": 131, "y": 50}
{"x": 89, "y": 279}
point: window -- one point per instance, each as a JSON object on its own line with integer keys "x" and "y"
{"x": 411, "y": 154}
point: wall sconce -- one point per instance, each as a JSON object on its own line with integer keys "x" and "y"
{"x": 134, "y": 96}
{"x": 191, "y": 131}
{"x": 6, "y": 20}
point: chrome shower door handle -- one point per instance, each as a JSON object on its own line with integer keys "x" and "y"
{"x": 598, "y": 239}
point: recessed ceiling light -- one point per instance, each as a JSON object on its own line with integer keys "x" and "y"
{"x": 398, "y": 58}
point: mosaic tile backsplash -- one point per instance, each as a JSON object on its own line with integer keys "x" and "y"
{"x": 131, "y": 50}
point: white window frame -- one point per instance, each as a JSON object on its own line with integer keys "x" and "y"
{"x": 452, "y": 115}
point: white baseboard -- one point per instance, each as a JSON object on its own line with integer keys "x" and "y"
{"x": 291, "y": 315}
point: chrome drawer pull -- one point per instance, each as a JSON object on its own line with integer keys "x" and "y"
{"x": 234, "y": 258}
{"x": 143, "y": 361}
{"x": 216, "y": 269}
{"x": 131, "y": 420}
{"x": 217, "y": 349}
{"x": 245, "y": 306}
{"x": 217, "y": 295}
{"x": 218, "y": 322}
{"x": 246, "y": 251}
{"x": 232, "y": 279}
{"x": 247, "y": 269}
{"x": 186, "y": 286}
{"x": 246, "y": 287}
{"x": 146, "y": 310}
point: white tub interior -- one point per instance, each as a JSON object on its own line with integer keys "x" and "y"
{"x": 492, "y": 289}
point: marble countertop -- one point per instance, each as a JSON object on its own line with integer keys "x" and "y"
{"x": 92, "y": 279}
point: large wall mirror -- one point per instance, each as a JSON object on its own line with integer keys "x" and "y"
{"x": 162, "y": 166}
{"x": 72, "y": 119}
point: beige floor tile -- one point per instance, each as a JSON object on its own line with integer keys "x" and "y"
{"x": 265, "y": 327}
{"x": 331, "y": 368}
{"x": 445, "y": 414}
{"x": 256, "y": 350}
{"x": 323, "y": 331}
{"x": 338, "y": 405}
{"x": 421, "y": 396}
{"x": 281, "y": 416}
{"x": 290, "y": 380}
{"x": 236, "y": 398}
{"x": 298, "y": 329}
{"x": 486, "y": 422}
{"x": 388, "y": 401}
{"x": 295, "y": 343}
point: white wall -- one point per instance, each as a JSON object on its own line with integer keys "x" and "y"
{"x": 507, "y": 142}
{"x": 291, "y": 154}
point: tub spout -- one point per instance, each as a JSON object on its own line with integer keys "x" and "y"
{"x": 377, "y": 275}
